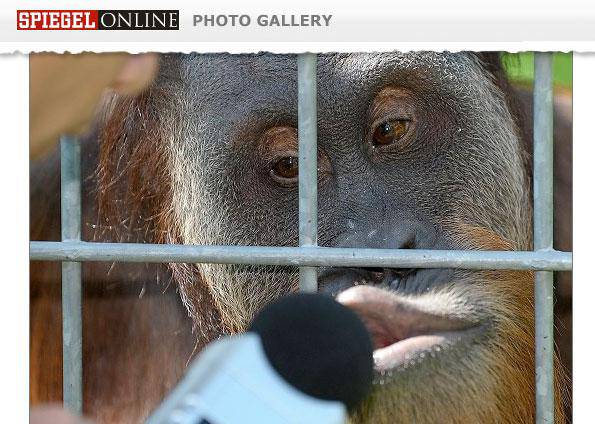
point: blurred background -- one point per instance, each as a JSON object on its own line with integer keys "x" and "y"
{"x": 519, "y": 67}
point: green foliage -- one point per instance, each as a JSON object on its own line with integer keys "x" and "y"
{"x": 519, "y": 67}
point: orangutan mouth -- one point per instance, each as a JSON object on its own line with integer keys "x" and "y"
{"x": 401, "y": 330}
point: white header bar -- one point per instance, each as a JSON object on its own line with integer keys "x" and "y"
{"x": 219, "y": 26}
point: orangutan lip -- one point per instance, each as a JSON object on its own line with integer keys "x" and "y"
{"x": 400, "y": 330}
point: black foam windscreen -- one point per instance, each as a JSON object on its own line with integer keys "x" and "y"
{"x": 318, "y": 346}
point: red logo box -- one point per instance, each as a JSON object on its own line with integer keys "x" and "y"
{"x": 79, "y": 20}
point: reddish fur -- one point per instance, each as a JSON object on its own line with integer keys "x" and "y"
{"x": 518, "y": 287}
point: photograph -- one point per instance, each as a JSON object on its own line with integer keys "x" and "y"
{"x": 309, "y": 237}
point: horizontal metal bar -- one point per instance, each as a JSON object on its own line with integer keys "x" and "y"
{"x": 299, "y": 256}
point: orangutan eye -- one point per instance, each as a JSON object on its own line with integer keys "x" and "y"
{"x": 285, "y": 168}
{"x": 390, "y": 132}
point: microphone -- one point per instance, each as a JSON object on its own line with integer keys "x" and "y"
{"x": 305, "y": 359}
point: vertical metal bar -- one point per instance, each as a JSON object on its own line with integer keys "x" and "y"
{"x": 72, "y": 357}
{"x": 308, "y": 158}
{"x": 543, "y": 154}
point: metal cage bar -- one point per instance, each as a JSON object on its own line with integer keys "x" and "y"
{"x": 543, "y": 235}
{"x": 300, "y": 256}
{"x": 72, "y": 329}
{"x": 308, "y": 163}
